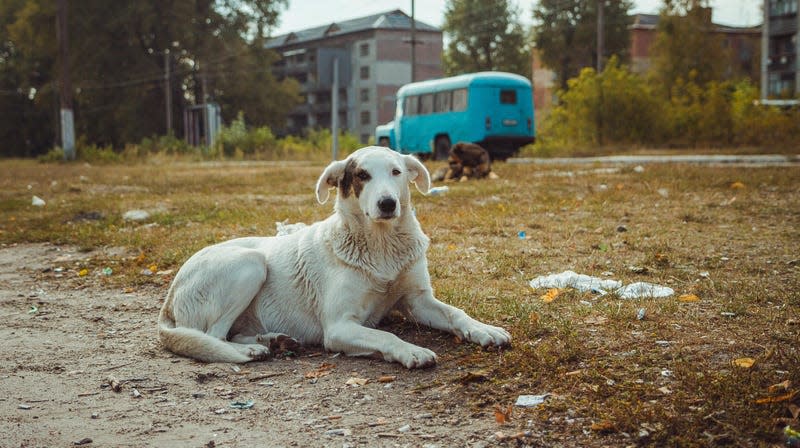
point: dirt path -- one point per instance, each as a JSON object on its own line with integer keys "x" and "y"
{"x": 63, "y": 344}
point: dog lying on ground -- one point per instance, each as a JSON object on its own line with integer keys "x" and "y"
{"x": 330, "y": 282}
{"x": 466, "y": 161}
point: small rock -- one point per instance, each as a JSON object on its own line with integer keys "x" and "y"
{"x": 135, "y": 393}
{"x": 135, "y": 215}
{"x": 338, "y": 432}
{"x": 95, "y": 415}
{"x": 404, "y": 428}
{"x": 622, "y": 228}
{"x": 83, "y": 441}
{"x": 425, "y": 415}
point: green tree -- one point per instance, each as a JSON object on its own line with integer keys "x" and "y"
{"x": 117, "y": 58}
{"x": 685, "y": 45}
{"x": 485, "y": 35}
{"x": 565, "y": 34}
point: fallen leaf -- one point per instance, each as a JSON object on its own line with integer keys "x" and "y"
{"x": 153, "y": 268}
{"x": 780, "y": 398}
{"x": 785, "y": 385}
{"x": 474, "y": 376}
{"x": 83, "y": 272}
{"x": 533, "y": 319}
{"x": 323, "y": 370}
{"x": 502, "y": 416}
{"x": 744, "y": 363}
{"x": 737, "y": 185}
{"x": 354, "y": 381}
{"x": 550, "y": 295}
{"x": 664, "y": 390}
{"x": 687, "y": 298}
{"x": 603, "y": 426}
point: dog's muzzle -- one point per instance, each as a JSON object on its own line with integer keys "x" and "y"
{"x": 387, "y": 207}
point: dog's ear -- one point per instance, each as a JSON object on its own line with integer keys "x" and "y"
{"x": 329, "y": 179}
{"x": 419, "y": 174}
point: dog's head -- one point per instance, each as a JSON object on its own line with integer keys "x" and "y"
{"x": 377, "y": 179}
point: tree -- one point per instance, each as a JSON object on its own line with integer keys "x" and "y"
{"x": 685, "y": 47}
{"x": 118, "y": 57}
{"x": 485, "y": 35}
{"x": 565, "y": 34}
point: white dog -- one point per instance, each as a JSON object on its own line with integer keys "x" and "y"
{"x": 329, "y": 283}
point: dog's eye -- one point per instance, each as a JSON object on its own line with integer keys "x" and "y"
{"x": 395, "y": 172}
{"x": 363, "y": 175}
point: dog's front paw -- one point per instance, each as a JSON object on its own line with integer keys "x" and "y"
{"x": 417, "y": 358}
{"x": 487, "y": 335}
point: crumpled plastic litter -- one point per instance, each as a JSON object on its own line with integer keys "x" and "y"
{"x": 584, "y": 283}
{"x": 284, "y": 228}
{"x": 530, "y": 401}
{"x": 570, "y": 279}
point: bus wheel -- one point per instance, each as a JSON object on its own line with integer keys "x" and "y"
{"x": 441, "y": 147}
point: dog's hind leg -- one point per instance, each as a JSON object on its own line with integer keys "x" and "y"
{"x": 209, "y": 293}
{"x": 277, "y": 342}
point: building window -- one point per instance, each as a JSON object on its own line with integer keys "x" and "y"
{"x": 365, "y": 72}
{"x": 363, "y": 50}
{"x": 364, "y": 95}
{"x": 366, "y": 117}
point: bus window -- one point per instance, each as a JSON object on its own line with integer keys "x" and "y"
{"x": 459, "y": 100}
{"x": 508, "y": 97}
{"x": 426, "y": 103}
{"x": 410, "y": 106}
{"x": 442, "y": 101}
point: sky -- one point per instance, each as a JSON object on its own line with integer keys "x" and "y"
{"x": 303, "y": 14}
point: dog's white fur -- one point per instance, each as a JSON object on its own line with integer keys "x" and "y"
{"x": 329, "y": 283}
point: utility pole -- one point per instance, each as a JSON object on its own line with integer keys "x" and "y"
{"x": 413, "y": 44}
{"x": 65, "y": 84}
{"x": 600, "y": 35}
{"x": 168, "y": 91}
{"x": 335, "y": 110}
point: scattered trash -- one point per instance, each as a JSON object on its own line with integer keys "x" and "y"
{"x": 242, "y": 404}
{"x": 638, "y": 169}
{"x": 83, "y": 272}
{"x": 135, "y": 215}
{"x": 666, "y": 373}
{"x": 425, "y": 415}
{"x": 147, "y": 271}
{"x": 638, "y": 269}
{"x": 284, "y": 228}
{"x": 663, "y": 192}
{"x": 665, "y": 390}
{"x": 221, "y": 411}
{"x": 792, "y": 437}
{"x": 530, "y": 401}
{"x": 642, "y": 289}
{"x": 107, "y": 271}
{"x": 521, "y": 235}
{"x": 338, "y": 432}
{"x": 404, "y": 428}
{"x": 135, "y": 393}
{"x": 438, "y": 191}
{"x": 83, "y": 441}
{"x": 705, "y": 274}
{"x": 37, "y": 202}
{"x": 640, "y": 314}
{"x": 737, "y": 185}
{"x": 24, "y": 407}
{"x": 386, "y": 378}
{"x": 727, "y": 314}
{"x": 584, "y": 283}
{"x": 663, "y": 343}
{"x": 33, "y": 309}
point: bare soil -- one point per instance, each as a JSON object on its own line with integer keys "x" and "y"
{"x": 65, "y": 349}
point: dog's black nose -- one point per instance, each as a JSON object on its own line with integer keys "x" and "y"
{"x": 387, "y": 205}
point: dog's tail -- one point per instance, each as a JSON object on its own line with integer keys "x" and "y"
{"x": 194, "y": 343}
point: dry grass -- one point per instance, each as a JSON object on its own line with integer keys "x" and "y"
{"x": 689, "y": 227}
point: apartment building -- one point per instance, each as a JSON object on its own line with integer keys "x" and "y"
{"x": 373, "y": 56}
{"x": 780, "y": 47}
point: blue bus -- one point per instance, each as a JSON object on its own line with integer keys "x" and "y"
{"x": 491, "y": 109}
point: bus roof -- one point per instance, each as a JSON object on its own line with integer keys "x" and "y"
{"x": 499, "y": 79}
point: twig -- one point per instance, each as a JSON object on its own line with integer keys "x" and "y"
{"x": 118, "y": 366}
{"x": 86, "y": 394}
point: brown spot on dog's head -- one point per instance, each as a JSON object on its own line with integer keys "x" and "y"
{"x": 354, "y": 178}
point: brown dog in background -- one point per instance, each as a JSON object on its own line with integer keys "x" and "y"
{"x": 466, "y": 161}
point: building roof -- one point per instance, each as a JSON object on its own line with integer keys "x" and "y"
{"x": 650, "y": 22}
{"x": 395, "y": 20}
